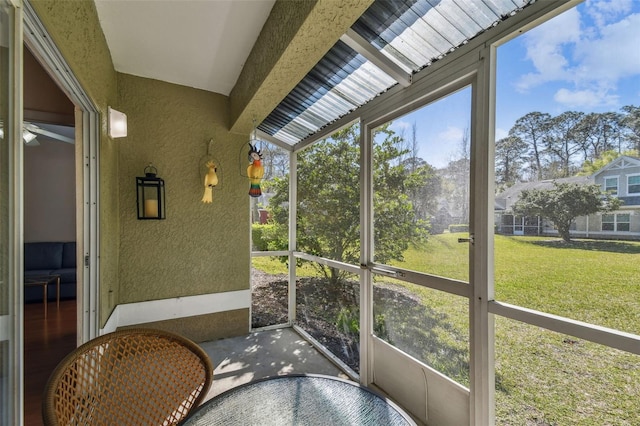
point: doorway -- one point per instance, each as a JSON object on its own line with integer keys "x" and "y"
{"x": 49, "y": 217}
{"x": 518, "y": 225}
{"x": 81, "y": 116}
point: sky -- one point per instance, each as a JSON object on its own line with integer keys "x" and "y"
{"x": 587, "y": 59}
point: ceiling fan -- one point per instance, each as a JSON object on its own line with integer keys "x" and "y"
{"x": 61, "y": 133}
{"x": 31, "y": 131}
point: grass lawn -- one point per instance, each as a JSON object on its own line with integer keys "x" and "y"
{"x": 542, "y": 377}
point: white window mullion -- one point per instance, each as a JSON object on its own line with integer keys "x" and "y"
{"x": 482, "y": 334}
{"x": 366, "y": 254}
{"x": 293, "y": 203}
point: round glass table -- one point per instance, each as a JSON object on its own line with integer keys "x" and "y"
{"x": 299, "y": 400}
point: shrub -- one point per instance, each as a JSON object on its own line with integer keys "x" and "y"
{"x": 348, "y": 322}
{"x": 266, "y": 237}
{"x": 459, "y": 228}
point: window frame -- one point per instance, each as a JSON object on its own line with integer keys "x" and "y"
{"x": 629, "y": 184}
{"x": 615, "y": 222}
{"x": 475, "y": 64}
{"x": 606, "y": 187}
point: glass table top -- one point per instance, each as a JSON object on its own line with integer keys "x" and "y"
{"x": 299, "y": 400}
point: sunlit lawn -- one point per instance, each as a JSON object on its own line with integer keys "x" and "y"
{"x": 542, "y": 377}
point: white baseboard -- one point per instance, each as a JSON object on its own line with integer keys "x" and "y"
{"x": 179, "y": 307}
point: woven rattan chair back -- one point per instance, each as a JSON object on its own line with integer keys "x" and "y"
{"x": 129, "y": 377}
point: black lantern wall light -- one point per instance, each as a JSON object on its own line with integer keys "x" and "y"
{"x": 150, "y": 195}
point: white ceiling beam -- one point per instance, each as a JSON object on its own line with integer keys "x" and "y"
{"x": 366, "y": 49}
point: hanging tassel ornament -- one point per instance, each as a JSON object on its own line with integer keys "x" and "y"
{"x": 210, "y": 180}
{"x": 255, "y": 171}
{"x": 210, "y": 173}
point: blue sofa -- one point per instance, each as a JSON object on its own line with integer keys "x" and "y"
{"x": 50, "y": 258}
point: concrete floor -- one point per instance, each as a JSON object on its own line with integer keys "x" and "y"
{"x": 261, "y": 354}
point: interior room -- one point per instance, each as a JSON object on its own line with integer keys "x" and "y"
{"x": 49, "y": 218}
{"x": 298, "y": 201}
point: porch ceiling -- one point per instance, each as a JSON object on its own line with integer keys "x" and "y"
{"x": 201, "y": 44}
{"x": 291, "y": 67}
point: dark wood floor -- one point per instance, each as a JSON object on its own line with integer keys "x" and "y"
{"x": 46, "y": 342}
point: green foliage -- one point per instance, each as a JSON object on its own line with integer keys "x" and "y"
{"x": 268, "y": 237}
{"x": 540, "y": 146}
{"x": 564, "y": 203}
{"x": 595, "y": 281}
{"x": 510, "y": 154}
{"x": 590, "y": 167}
{"x": 328, "y": 208}
{"x": 348, "y": 322}
{"x": 459, "y": 228}
{"x": 380, "y": 328}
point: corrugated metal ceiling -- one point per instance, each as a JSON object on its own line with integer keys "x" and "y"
{"x": 410, "y": 33}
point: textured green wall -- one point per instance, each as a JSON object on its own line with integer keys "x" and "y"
{"x": 199, "y": 248}
{"x": 76, "y": 31}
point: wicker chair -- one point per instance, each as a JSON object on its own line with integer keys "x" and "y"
{"x": 130, "y": 377}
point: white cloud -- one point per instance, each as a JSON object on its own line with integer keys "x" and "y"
{"x": 602, "y": 11}
{"x": 439, "y": 148}
{"x": 401, "y": 125}
{"x": 613, "y": 55}
{"x": 501, "y": 133}
{"x": 451, "y": 135}
{"x": 583, "y": 98}
{"x": 588, "y": 62}
{"x": 544, "y": 46}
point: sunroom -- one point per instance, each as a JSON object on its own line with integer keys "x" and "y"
{"x": 387, "y": 127}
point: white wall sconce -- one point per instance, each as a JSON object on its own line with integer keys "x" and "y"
{"x": 117, "y": 123}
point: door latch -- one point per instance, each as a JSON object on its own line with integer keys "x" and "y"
{"x": 466, "y": 240}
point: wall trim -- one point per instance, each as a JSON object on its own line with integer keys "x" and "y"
{"x": 180, "y": 307}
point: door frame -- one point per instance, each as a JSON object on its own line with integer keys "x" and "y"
{"x": 87, "y": 122}
{"x": 518, "y": 225}
{"x": 11, "y": 321}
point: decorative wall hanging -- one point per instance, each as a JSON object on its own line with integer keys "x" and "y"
{"x": 255, "y": 170}
{"x": 210, "y": 173}
{"x": 210, "y": 181}
{"x": 150, "y": 195}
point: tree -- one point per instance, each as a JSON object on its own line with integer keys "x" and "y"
{"x": 562, "y": 144}
{"x": 328, "y": 205}
{"x": 532, "y": 129}
{"x": 598, "y": 133}
{"x": 590, "y": 167}
{"x": 275, "y": 161}
{"x": 510, "y": 152}
{"x": 564, "y": 203}
{"x": 423, "y": 197}
{"x": 425, "y": 192}
{"x": 455, "y": 180}
{"x": 631, "y": 126}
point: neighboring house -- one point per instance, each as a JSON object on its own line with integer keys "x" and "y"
{"x": 445, "y": 215}
{"x": 620, "y": 177}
